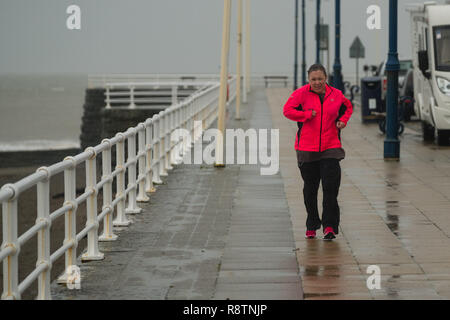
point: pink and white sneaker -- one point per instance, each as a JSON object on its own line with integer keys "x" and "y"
{"x": 310, "y": 234}
{"x": 329, "y": 234}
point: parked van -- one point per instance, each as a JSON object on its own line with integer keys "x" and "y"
{"x": 430, "y": 40}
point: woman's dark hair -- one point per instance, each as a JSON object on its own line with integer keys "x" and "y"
{"x": 317, "y": 67}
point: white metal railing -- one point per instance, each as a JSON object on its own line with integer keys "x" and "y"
{"x": 124, "y": 92}
{"x": 155, "y": 154}
{"x": 100, "y": 80}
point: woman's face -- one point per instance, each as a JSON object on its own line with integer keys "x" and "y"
{"x": 317, "y": 80}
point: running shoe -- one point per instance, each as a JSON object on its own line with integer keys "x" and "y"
{"x": 329, "y": 234}
{"x": 310, "y": 234}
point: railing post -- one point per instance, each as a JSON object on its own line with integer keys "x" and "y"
{"x": 181, "y": 126}
{"x": 43, "y": 215}
{"x": 107, "y": 98}
{"x": 11, "y": 262}
{"x": 70, "y": 232}
{"x": 156, "y": 149}
{"x": 132, "y": 105}
{"x": 132, "y": 205}
{"x": 198, "y": 122}
{"x": 162, "y": 144}
{"x": 108, "y": 233}
{"x": 121, "y": 219}
{"x": 191, "y": 122}
{"x": 197, "y": 118}
{"x": 174, "y": 94}
{"x": 92, "y": 252}
{"x": 186, "y": 143}
{"x": 142, "y": 157}
{"x": 177, "y": 146}
{"x": 168, "y": 140}
{"x": 149, "y": 149}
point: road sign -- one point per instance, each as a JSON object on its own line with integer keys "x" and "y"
{"x": 357, "y": 49}
{"x": 323, "y": 37}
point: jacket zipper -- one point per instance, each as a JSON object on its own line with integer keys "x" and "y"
{"x": 321, "y": 114}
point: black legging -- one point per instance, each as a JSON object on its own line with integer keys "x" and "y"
{"x": 329, "y": 171}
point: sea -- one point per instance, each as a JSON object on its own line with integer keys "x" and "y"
{"x": 41, "y": 111}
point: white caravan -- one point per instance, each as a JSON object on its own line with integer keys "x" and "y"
{"x": 430, "y": 40}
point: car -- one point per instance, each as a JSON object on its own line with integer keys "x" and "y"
{"x": 405, "y": 65}
{"x": 407, "y": 91}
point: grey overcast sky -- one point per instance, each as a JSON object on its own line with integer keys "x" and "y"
{"x": 178, "y": 36}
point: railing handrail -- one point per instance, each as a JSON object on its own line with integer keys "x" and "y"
{"x": 160, "y": 83}
{"x": 128, "y": 88}
{"x": 101, "y": 79}
{"x": 156, "y": 152}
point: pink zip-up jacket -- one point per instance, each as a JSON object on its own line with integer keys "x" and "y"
{"x": 317, "y": 133}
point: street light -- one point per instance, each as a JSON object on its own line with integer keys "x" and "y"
{"x": 238, "y": 62}
{"x": 391, "y": 143}
{"x": 296, "y": 45}
{"x": 337, "y": 67}
{"x": 303, "y": 45}
{"x": 223, "y": 81}
{"x": 318, "y": 32}
{"x": 247, "y": 47}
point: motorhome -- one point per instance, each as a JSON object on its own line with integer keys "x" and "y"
{"x": 430, "y": 40}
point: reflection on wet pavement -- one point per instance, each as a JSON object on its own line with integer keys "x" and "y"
{"x": 394, "y": 214}
{"x": 392, "y": 219}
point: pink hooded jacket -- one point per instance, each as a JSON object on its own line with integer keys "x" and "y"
{"x": 320, "y": 132}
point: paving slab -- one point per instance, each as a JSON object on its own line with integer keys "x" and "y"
{"x": 232, "y": 233}
{"x": 207, "y": 233}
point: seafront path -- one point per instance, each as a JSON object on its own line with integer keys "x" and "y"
{"x": 232, "y": 233}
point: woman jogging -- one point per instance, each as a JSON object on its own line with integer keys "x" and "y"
{"x": 321, "y": 112}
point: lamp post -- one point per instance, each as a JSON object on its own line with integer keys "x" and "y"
{"x": 391, "y": 143}
{"x": 303, "y": 45}
{"x": 337, "y": 67}
{"x": 318, "y": 32}
{"x": 296, "y": 45}
{"x": 238, "y": 63}
{"x": 223, "y": 80}
{"x": 247, "y": 46}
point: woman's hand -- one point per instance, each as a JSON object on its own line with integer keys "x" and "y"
{"x": 313, "y": 113}
{"x": 340, "y": 125}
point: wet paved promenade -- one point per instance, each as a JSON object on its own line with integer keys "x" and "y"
{"x": 212, "y": 233}
{"x": 393, "y": 214}
{"x": 207, "y": 233}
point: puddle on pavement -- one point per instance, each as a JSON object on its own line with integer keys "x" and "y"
{"x": 315, "y": 295}
{"x": 392, "y": 203}
{"x": 311, "y": 271}
{"x": 391, "y": 292}
{"x": 318, "y": 250}
{"x": 317, "y": 270}
{"x": 392, "y": 219}
{"x": 392, "y": 223}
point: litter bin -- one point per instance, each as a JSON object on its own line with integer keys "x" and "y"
{"x": 370, "y": 98}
